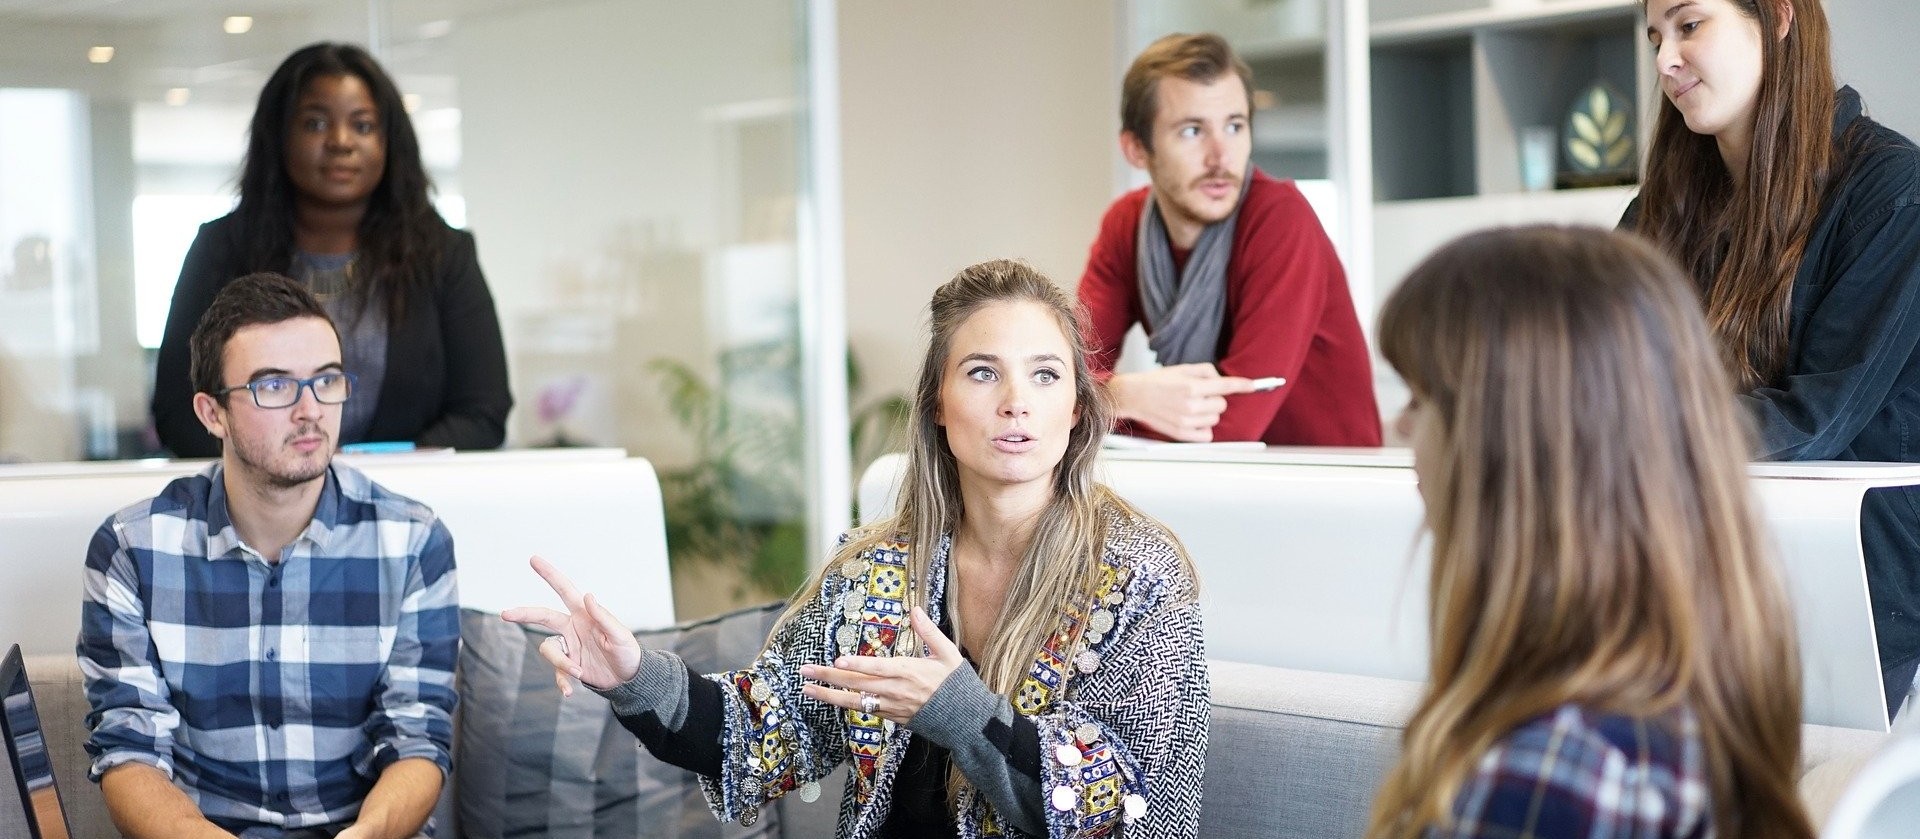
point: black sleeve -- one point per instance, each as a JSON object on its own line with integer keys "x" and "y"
{"x": 695, "y": 747}
{"x": 1019, "y": 743}
{"x": 1854, "y": 348}
{"x": 473, "y": 412}
{"x": 202, "y": 274}
{"x": 1631, "y": 218}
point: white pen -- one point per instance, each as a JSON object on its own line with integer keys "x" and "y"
{"x": 1268, "y": 383}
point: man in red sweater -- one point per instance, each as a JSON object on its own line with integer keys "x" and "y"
{"x": 1228, "y": 270}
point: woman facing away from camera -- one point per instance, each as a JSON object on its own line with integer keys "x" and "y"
{"x": 1798, "y": 219}
{"x": 1611, "y": 648}
{"x": 1016, "y": 651}
{"x": 333, "y": 193}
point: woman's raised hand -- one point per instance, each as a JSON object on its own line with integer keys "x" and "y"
{"x": 895, "y": 688}
{"x": 589, "y": 642}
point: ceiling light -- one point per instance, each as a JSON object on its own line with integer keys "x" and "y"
{"x": 177, "y": 96}
{"x": 411, "y": 101}
{"x": 100, "y": 55}
{"x": 237, "y": 25}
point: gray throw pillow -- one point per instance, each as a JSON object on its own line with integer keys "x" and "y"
{"x": 528, "y": 763}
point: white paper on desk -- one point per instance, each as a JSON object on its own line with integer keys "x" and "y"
{"x": 1125, "y": 442}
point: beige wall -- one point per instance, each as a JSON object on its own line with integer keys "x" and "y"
{"x": 1873, "y": 51}
{"x": 971, "y": 131}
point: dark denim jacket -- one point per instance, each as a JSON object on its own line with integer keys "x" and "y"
{"x": 1852, "y": 389}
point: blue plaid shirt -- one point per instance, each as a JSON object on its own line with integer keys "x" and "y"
{"x": 1574, "y": 772}
{"x": 273, "y": 693}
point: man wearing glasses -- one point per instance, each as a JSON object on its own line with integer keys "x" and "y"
{"x": 269, "y": 645}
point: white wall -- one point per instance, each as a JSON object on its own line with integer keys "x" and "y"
{"x": 971, "y": 131}
{"x": 1874, "y": 49}
{"x": 601, "y": 177}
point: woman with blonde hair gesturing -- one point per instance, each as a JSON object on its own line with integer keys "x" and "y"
{"x": 1071, "y": 700}
{"x": 1611, "y": 648}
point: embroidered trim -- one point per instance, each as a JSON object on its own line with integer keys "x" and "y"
{"x": 1070, "y": 647}
{"x": 880, "y": 628}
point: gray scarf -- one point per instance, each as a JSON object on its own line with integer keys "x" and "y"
{"x": 1185, "y": 311}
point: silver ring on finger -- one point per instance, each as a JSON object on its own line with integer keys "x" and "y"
{"x": 869, "y": 703}
{"x": 564, "y": 652}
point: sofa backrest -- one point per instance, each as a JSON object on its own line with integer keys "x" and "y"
{"x": 1310, "y": 559}
{"x": 594, "y": 512}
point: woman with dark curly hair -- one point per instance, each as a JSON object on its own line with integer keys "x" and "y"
{"x": 333, "y": 193}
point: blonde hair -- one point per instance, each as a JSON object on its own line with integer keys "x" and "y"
{"x": 1593, "y": 541}
{"x": 1062, "y": 563}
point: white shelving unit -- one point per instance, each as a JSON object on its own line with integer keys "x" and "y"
{"x": 1454, "y": 82}
{"x": 1450, "y": 85}
{"x": 1453, "y": 90}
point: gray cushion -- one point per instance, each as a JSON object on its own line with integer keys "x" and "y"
{"x": 532, "y": 764}
{"x": 1298, "y": 754}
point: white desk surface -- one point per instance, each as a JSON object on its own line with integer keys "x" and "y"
{"x": 1875, "y": 474}
{"x": 165, "y": 466}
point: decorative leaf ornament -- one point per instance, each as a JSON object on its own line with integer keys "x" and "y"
{"x": 1599, "y": 137}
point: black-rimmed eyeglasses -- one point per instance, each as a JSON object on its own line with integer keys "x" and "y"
{"x": 284, "y": 391}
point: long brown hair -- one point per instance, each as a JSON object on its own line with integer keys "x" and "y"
{"x": 1592, "y": 536}
{"x": 1743, "y": 243}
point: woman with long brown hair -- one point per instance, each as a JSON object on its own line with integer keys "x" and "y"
{"x": 1612, "y": 652}
{"x": 1799, "y": 220}
{"x": 1072, "y": 697}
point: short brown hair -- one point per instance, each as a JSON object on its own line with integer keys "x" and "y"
{"x": 1200, "y": 58}
{"x": 255, "y": 298}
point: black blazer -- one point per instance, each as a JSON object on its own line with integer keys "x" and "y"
{"x": 1851, "y": 388}
{"x": 446, "y": 377}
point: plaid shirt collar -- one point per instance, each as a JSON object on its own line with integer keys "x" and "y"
{"x": 223, "y": 540}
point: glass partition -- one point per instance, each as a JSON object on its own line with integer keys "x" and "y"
{"x": 632, "y": 172}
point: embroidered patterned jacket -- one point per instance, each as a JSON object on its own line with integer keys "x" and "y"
{"x": 1122, "y": 721}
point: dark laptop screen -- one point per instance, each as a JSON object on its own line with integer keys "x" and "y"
{"x": 31, "y": 765}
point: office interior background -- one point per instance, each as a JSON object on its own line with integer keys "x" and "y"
{"x": 680, "y": 266}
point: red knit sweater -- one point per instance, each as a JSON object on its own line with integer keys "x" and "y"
{"x": 1288, "y": 314}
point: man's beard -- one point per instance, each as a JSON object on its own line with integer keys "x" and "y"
{"x": 260, "y": 462}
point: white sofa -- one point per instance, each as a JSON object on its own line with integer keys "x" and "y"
{"x": 595, "y": 512}
{"x": 1309, "y": 561}
{"x": 1293, "y": 753}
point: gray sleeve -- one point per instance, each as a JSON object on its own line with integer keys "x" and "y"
{"x": 659, "y": 686}
{"x": 994, "y": 748}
